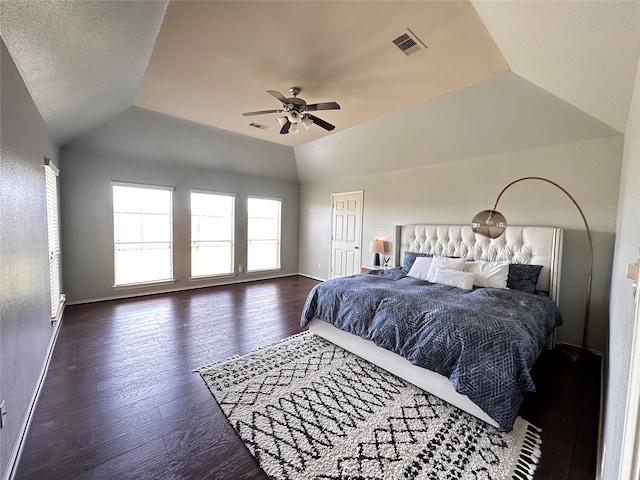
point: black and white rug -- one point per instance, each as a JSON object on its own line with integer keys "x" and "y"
{"x": 307, "y": 409}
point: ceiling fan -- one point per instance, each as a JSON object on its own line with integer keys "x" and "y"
{"x": 296, "y": 112}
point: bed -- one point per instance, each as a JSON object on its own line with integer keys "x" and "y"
{"x": 473, "y": 347}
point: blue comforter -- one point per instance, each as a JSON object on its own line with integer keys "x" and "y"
{"x": 484, "y": 340}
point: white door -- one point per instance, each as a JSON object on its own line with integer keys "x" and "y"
{"x": 346, "y": 234}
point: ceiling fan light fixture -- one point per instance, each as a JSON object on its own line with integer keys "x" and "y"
{"x": 294, "y": 128}
{"x": 307, "y": 122}
{"x": 293, "y": 116}
{"x": 281, "y": 120}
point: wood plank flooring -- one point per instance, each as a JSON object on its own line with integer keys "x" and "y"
{"x": 120, "y": 399}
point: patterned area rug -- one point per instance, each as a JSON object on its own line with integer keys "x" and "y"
{"x": 307, "y": 409}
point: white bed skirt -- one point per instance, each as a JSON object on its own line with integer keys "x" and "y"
{"x": 432, "y": 382}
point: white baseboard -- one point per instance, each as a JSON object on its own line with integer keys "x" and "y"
{"x": 131, "y": 294}
{"x": 311, "y": 277}
{"x": 578, "y": 347}
{"x": 14, "y": 457}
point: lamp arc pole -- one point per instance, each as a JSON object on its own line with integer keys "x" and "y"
{"x": 585, "y": 327}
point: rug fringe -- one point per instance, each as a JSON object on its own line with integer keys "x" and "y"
{"x": 255, "y": 350}
{"x": 530, "y": 453}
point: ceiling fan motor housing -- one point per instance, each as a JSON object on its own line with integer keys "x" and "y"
{"x": 295, "y": 104}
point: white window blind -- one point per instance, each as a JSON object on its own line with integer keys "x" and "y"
{"x": 143, "y": 234}
{"x": 212, "y": 234}
{"x": 53, "y": 233}
{"x": 263, "y": 234}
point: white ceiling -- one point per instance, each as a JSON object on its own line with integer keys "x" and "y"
{"x": 215, "y": 60}
{"x": 481, "y": 120}
{"x": 584, "y": 52}
{"x": 85, "y": 61}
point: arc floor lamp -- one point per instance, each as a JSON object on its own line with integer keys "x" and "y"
{"x": 492, "y": 224}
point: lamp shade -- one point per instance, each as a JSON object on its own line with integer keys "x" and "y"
{"x": 489, "y": 223}
{"x": 376, "y": 246}
{"x": 293, "y": 116}
{"x": 294, "y": 128}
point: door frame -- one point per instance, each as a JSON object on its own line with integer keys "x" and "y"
{"x": 630, "y": 450}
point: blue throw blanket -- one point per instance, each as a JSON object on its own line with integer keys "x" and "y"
{"x": 484, "y": 340}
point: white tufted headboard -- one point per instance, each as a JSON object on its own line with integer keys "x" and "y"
{"x": 531, "y": 245}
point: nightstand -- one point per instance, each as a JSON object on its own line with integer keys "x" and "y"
{"x": 371, "y": 268}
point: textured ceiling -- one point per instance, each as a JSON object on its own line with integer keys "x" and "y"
{"x": 85, "y": 61}
{"x": 82, "y": 61}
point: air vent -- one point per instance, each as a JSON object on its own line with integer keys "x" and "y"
{"x": 408, "y": 43}
{"x": 258, "y": 125}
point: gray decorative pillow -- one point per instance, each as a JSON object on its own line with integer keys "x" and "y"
{"x": 523, "y": 277}
{"x": 409, "y": 258}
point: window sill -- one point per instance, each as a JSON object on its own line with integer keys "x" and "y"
{"x": 212, "y": 277}
{"x": 266, "y": 270}
{"x": 130, "y": 286}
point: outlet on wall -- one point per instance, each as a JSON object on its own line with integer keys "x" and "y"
{"x": 240, "y": 268}
{"x": 319, "y": 266}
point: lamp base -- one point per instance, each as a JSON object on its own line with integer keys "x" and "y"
{"x": 376, "y": 260}
{"x": 575, "y": 354}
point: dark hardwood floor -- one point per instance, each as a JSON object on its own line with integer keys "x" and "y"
{"x": 120, "y": 399}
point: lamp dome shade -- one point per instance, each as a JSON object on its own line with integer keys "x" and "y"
{"x": 489, "y": 223}
{"x": 307, "y": 122}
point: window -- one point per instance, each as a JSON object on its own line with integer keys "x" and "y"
{"x": 211, "y": 234}
{"x": 53, "y": 233}
{"x": 142, "y": 232}
{"x": 263, "y": 234}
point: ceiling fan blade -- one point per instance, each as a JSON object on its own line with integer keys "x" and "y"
{"x": 321, "y": 123}
{"x": 279, "y": 96}
{"x": 323, "y": 106}
{"x": 285, "y": 127}
{"x": 248, "y": 114}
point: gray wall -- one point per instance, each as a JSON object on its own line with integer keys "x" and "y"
{"x": 627, "y": 250}
{"x": 25, "y": 324}
{"x": 145, "y": 147}
{"x": 453, "y": 192}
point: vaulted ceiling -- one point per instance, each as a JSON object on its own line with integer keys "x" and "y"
{"x": 209, "y": 61}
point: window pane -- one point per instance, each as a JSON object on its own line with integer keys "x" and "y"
{"x": 143, "y": 237}
{"x": 211, "y": 234}
{"x": 211, "y": 258}
{"x": 127, "y": 227}
{"x": 263, "y": 233}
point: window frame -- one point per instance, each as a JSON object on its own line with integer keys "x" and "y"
{"x": 279, "y": 238}
{"x": 164, "y": 281}
{"x": 231, "y": 273}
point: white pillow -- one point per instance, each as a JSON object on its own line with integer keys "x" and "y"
{"x": 454, "y": 278}
{"x": 489, "y": 274}
{"x": 420, "y": 268}
{"x": 445, "y": 262}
